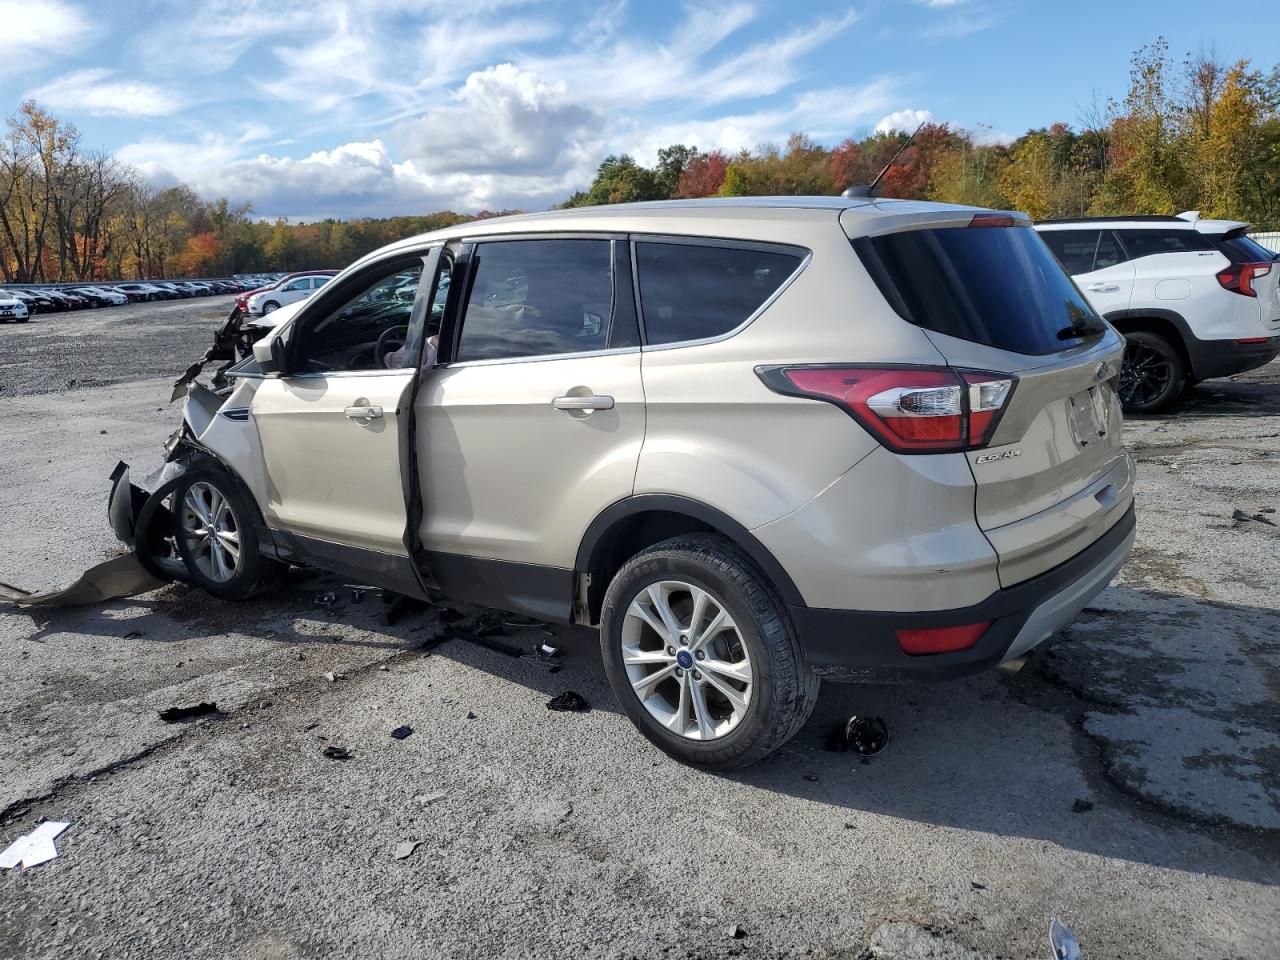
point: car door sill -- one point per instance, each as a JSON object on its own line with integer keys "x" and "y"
{"x": 387, "y": 570}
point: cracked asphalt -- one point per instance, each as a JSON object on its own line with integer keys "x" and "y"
{"x": 1125, "y": 781}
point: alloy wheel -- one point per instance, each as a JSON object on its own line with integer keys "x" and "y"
{"x": 1144, "y": 375}
{"x": 686, "y": 660}
{"x": 212, "y": 532}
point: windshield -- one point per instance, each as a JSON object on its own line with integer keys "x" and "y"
{"x": 999, "y": 286}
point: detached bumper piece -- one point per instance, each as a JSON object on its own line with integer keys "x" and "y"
{"x": 869, "y": 646}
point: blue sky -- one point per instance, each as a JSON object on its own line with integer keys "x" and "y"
{"x": 313, "y": 108}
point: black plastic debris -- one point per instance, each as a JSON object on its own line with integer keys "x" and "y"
{"x": 974, "y": 884}
{"x": 134, "y": 635}
{"x": 569, "y": 701}
{"x": 811, "y": 777}
{"x": 866, "y": 736}
{"x": 327, "y": 599}
{"x": 449, "y": 615}
{"x": 402, "y": 733}
{"x": 471, "y": 716}
{"x": 357, "y": 595}
{"x": 178, "y": 714}
{"x": 1081, "y": 806}
{"x": 1239, "y": 516}
{"x": 336, "y": 753}
{"x": 736, "y": 932}
{"x": 489, "y": 643}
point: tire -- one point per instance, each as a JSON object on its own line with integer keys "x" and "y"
{"x": 226, "y": 563}
{"x": 779, "y": 691}
{"x": 1153, "y": 373}
{"x": 270, "y": 306}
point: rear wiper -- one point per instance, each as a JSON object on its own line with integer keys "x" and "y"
{"x": 1082, "y": 329}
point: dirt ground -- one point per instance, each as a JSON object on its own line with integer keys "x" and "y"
{"x": 1127, "y": 781}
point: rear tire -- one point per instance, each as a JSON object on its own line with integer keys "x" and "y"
{"x": 270, "y": 306}
{"x": 217, "y": 539}
{"x": 1153, "y": 373}
{"x": 748, "y": 691}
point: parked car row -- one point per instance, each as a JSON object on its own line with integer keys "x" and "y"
{"x": 20, "y": 303}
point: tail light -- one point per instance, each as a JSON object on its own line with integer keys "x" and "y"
{"x": 908, "y": 409}
{"x": 1239, "y": 277}
{"x": 929, "y": 640}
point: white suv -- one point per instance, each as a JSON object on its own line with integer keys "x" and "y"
{"x": 1194, "y": 298}
{"x": 756, "y": 442}
{"x": 289, "y": 290}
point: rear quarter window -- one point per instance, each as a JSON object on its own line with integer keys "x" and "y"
{"x": 698, "y": 291}
{"x": 999, "y": 286}
{"x": 1144, "y": 243}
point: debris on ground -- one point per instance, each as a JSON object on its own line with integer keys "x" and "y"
{"x": 866, "y": 736}
{"x": 357, "y": 595}
{"x": 327, "y": 599}
{"x": 736, "y": 932}
{"x": 177, "y": 714}
{"x": 133, "y": 635}
{"x": 1081, "y": 806}
{"x": 1063, "y": 941}
{"x": 34, "y": 848}
{"x": 402, "y": 733}
{"x": 489, "y": 642}
{"x": 112, "y": 579}
{"x": 336, "y": 753}
{"x": 449, "y": 615}
{"x": 471, "y": 716}
{"x": 975, "y": 885}
{"x": 426, "y": 799}
{"x": 811, "y": 777}
{"x": 334, "y": 677}
{"x": 569, "y": 701}
{"x": 1239, "y": 516}
{"x": 398, "y": 606}
{"x": 405, "y": 850}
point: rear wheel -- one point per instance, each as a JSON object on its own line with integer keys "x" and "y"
{"x": 1153, "y": 373}
{"x": 702, "y": 656}
{"x": 216, "y": 536}
{"x": 270, "y": 306}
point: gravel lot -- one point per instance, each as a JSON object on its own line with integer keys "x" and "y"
{"x": 549, "y": 834}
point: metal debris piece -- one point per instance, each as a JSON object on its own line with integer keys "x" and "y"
{"x": 569, "y": 702}
{"x": 336, "y": 753}
{"x": 178, "y": 714}
{"x": 866, "y": 736}
{"x": 405, "y": 850}
{"x": 736, "y": 932}
{"x": 426, "y": 799}
{"x": 34, "y": 848}
{"x": 402, "y": 733}
{"x": 1064, "y": 943}
{"x": 115, "y": 578}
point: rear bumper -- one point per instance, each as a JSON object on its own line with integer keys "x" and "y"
{"x": 1222, "y": 358}
{"x": 861, "y": 646}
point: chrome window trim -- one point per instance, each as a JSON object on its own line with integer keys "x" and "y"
{"x": 537, "y": 358}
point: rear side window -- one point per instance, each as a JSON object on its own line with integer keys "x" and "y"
{"x": 1239, "y": 248}
{"x": 1073, "y": 248}
{"x": 538, "y": 298}
{"x": 999, "y": 286}
{"x": 1109, "y": 251}
{"x": 1144, "y": 243}
{"x": 693, "y": 292}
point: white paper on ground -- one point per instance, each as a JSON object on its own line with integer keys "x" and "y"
{"x": 36, "y": 847}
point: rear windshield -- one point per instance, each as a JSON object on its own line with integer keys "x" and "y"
{"x": 998, "y": 286}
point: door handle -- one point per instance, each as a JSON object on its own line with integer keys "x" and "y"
{"x": 1102, "y": 287}
{"x": 363, "y": 411}
{"x": 583, "y": 403}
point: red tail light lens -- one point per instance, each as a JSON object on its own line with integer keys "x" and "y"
{"x": 908, "y": 409}
{"x": 1239, "y": 277}
{"x": 929, "y": 640}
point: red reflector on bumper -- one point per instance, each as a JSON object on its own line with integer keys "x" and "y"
{"x": 1248, "y": 340}
{"x": 928, "y": 640}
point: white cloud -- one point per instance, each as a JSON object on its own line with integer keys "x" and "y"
{"x": 960, "y": 25}
{"x": 903, "y": 120}
{"x": 95, "y": 92}
{"x": 501, "y": 120}
{"x": 32, "y": 27}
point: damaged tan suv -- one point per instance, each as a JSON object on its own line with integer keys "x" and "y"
{"x": 756, "y": 442}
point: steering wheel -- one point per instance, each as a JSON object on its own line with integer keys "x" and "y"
{"x": 391, "y": 335}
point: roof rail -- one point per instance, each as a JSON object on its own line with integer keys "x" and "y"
{"x": 1141, "y": 218}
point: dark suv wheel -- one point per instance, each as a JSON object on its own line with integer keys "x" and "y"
{"x": 1153, "y": 373}
{"x": 702, "y": 656}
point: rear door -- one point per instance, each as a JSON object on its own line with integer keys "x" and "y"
{"x": 1055, "y": 476}
{"x": 533, "y": 422}
{"x": 1097, "y": 263}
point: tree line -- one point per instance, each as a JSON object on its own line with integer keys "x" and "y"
{"x": 1200, "y": 133}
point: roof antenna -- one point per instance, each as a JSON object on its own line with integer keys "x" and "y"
{"x": 870, "y": 189}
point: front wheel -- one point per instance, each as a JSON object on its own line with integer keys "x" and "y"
{"x": 702, "y": 655}
{"x": 216, "y": 536}
{"x": 270, "y": 307}
{"x": 1153, "y": 373}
